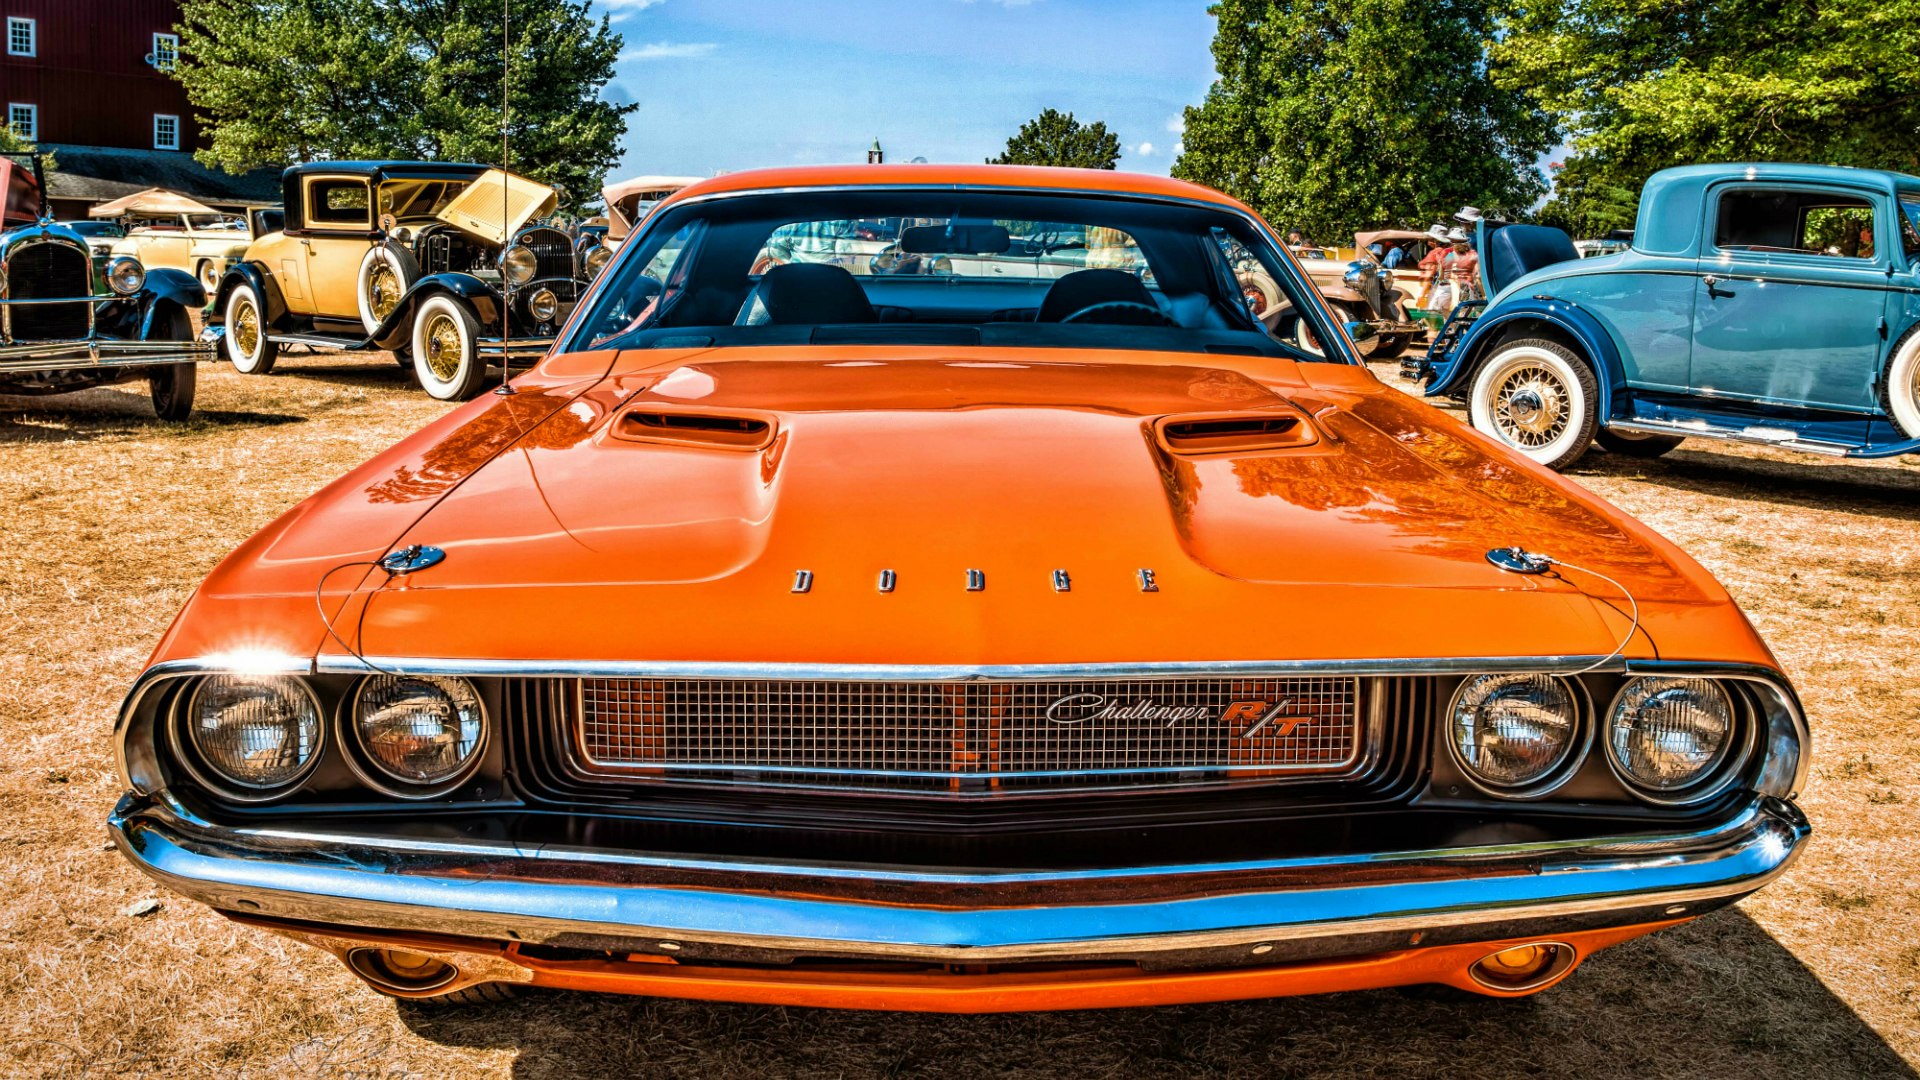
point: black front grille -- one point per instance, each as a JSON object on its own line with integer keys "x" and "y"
{"x": 552, "y": 252}
{"x": 43, "y": 270}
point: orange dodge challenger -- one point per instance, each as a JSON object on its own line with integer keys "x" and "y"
{"x": 932, "y": 588}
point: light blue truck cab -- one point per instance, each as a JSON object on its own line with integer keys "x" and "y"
{"x": 1765, "y": 303}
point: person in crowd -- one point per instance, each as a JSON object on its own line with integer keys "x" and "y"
{"x": 1395, "y": 255}
{"x": 1437, "y": 251}
{"x": 1461, "y": 270}
{"x": 1297, "y": 239}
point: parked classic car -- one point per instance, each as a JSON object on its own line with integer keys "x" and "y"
{"x": 421, "y": 258}
{"x": 629, "y": 200}
{"x": 100, "y": 235}
{"x": 73, "y": 317}
{"x": 163, "y": 228}
{"x": 1769, "y": 303}
{"x": 1363, "y": 293}
{"x": 956, "y": 643}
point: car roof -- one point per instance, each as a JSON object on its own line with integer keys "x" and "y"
{"x": 1023, "y": 177}
{"x": 410, "y": 169}
{"x": 1790, "y": 171}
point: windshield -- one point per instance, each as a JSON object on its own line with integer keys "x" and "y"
{"x": 96, "y": 228}
{"x": 1910, "y": 224}
{"x": 947, "y": 267}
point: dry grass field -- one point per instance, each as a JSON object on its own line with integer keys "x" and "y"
{"x": 110, "y": 519}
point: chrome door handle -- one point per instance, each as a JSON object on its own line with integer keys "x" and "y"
{"x": 1711, "y": 282}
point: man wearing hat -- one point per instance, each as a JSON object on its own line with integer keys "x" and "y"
{"x": 1430, "y": 266}
{"x": 1461, "y": 268}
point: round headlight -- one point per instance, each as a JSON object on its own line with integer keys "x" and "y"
{"x": 125, "y": 275}
{"x": 420, "y": 729}
{"x": 543, "y": 305}
{"x": 1512, "y": 731}
{"x": 259, "y": 733}
{"x": 518, "y": 264}
{"x": 596, "y": 260}
{"x": 1668, "y": 734}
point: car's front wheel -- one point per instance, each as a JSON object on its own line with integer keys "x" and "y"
{"x": 387, "y": 271}
{"x": 446, "y": 356}
{"x": 1537, "y": 396}
{"x": 208, "y": 275}
{"x": 1902, "y": 388}
{"x": 247, "y": 344}
{"x": 172, "y": 386}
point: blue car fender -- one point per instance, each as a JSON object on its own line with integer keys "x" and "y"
{"x": 479, "y": 297}
{"x": 1510, "y": 318}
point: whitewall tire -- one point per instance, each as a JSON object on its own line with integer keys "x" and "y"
{"x": 1538, "y": 397}
{"x": 446, "y": 356}
{"x": 246, "y": 337}
{"x": 1903, "y": 384}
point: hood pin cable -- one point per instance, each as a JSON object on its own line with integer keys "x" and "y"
{"x": 1517, "y": 560}
{"x": 396, "y": 564}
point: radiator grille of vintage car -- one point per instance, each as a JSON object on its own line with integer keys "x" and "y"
{"x": 552, "y": 253}
{"x": 48, "y": 269}
{"x": 1016, "y": 736}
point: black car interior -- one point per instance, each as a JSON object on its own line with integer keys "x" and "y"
{"x": 939, "y": 283}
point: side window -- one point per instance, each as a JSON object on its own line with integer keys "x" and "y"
{"x": 1796, "y": 223}
{"x": 23, "y": 38}
{"x": 166, "y": 50}
{"x": 338, "y": 203}
{"x": 1910, "y": 226}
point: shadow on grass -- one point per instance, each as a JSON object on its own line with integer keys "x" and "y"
{"x": 103, "y": 413}
{"x": 1878, "y": 491}
{"x": 1717, "y": 997}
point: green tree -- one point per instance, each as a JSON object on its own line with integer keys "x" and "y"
{"x": 277, "y": 81}
{"x": 1338, "y": 115}
{"x": 1586, "y": 203}
{"x": 1056, "y": 138}
{"x": 1644, "y": 84}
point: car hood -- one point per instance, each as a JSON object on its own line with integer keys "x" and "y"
{"x": 721, "y": 508}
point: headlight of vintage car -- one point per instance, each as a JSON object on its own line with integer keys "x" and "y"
{"x": 259, "y": 733}
{"x": 1667, "y": 735}
{"x": 518, "y": 264}
{"x": 422, "y": 730}
{"x": 1356, "y": 274}
{"x": 1513, "y": 732}
{"x": 596, "y": 259}
{"x": 543, "y": 305}
{"x": 125, "y": 275}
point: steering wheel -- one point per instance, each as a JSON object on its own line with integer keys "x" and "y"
{"x": 1131, "y": 312}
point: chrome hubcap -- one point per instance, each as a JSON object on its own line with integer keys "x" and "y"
{"x": 1531, "y": 406}
{"x": 443, "y": 348}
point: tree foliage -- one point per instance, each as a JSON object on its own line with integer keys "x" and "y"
{"x": 1056, "y": 138}
{"x": 1644, "y": 84}
{"x": 1339, "y": 115}
{"x": 276, "y": 81}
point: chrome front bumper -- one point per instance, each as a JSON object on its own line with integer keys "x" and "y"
{"x": 746, "y": 909}
{"x": 98, "y": 353}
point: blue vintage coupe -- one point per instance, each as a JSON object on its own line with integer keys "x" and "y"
{"x": 1766, "y": 303}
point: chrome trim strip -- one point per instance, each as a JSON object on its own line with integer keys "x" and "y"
{"x": 501, "y": 892}
{"x": 1701, "y": 430}
{"x": 72, "y": 355}
{"x": 332, "y": 663}
{"x": 513, "y": 348}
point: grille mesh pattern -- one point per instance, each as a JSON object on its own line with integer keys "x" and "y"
{"x": 921, "y": 736}
{"x": 36, "y": 271}
{"x": 552, "y": 253}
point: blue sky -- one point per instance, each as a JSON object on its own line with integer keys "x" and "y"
{"x": 725, "y": 85}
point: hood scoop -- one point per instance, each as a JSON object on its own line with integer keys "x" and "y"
{"x": 681, "y": 426}
{"x": 1233, "y": 433}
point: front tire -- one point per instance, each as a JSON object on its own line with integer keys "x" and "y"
{"x": 1902, "y": 388}
{"x": 172, "y": 386}
{"x": 247, "y": 345}
{"x": 209, "y": 277}
{"x": 446, "y": 356}
{"x": 1537, "y": 396}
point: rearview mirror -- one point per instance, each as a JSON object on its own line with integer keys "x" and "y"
{"x": 955, "y": 239}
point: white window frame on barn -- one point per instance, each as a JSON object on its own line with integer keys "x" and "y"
{"x": 169, "y": 144}
{"x": 30, "y": 130}
{"x": 19, "y": 29}
{"x": 166, "y": 51}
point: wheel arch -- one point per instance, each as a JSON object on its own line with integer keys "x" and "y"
{"x": 480, "y": 298}
{"x": 1564, "y": 323}
{"x": 264, "y": 286}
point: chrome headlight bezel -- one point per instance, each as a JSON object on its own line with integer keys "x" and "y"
{"x": 1721, "y": 773}
{"x": 125, "y": 275}
{"x": 187, "y": 753}
{"x": 595, "y": 259}
{"x": 372, "y": 771}
{"x": 518, "y": 264}
{"x": 543, "y": 298}
{"x": 1571, "y": 757}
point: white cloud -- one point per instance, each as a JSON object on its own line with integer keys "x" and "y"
{"x": 1179, "y": 148}
{"x": 622, "y": 10}
{"x": 1177, "y": 123}
{"x": 670, "y": 50}
{"x": 1145, "y": 149}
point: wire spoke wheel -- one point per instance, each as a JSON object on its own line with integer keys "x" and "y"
{"x": 383, "y": 291}
{"x": 443, "y": 347}
{"x": 246, "y": 327}
{"x": 1531, "y": 405}
{"x": 1539, "y": 397}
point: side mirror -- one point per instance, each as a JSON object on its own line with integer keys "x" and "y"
{"x": 1361, "y": 331}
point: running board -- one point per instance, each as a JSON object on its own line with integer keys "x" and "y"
{"x": 321, "y": 341}
{"x": 1761, "y": 436}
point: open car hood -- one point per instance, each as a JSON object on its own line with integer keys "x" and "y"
{"x": 495, "y": 204}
